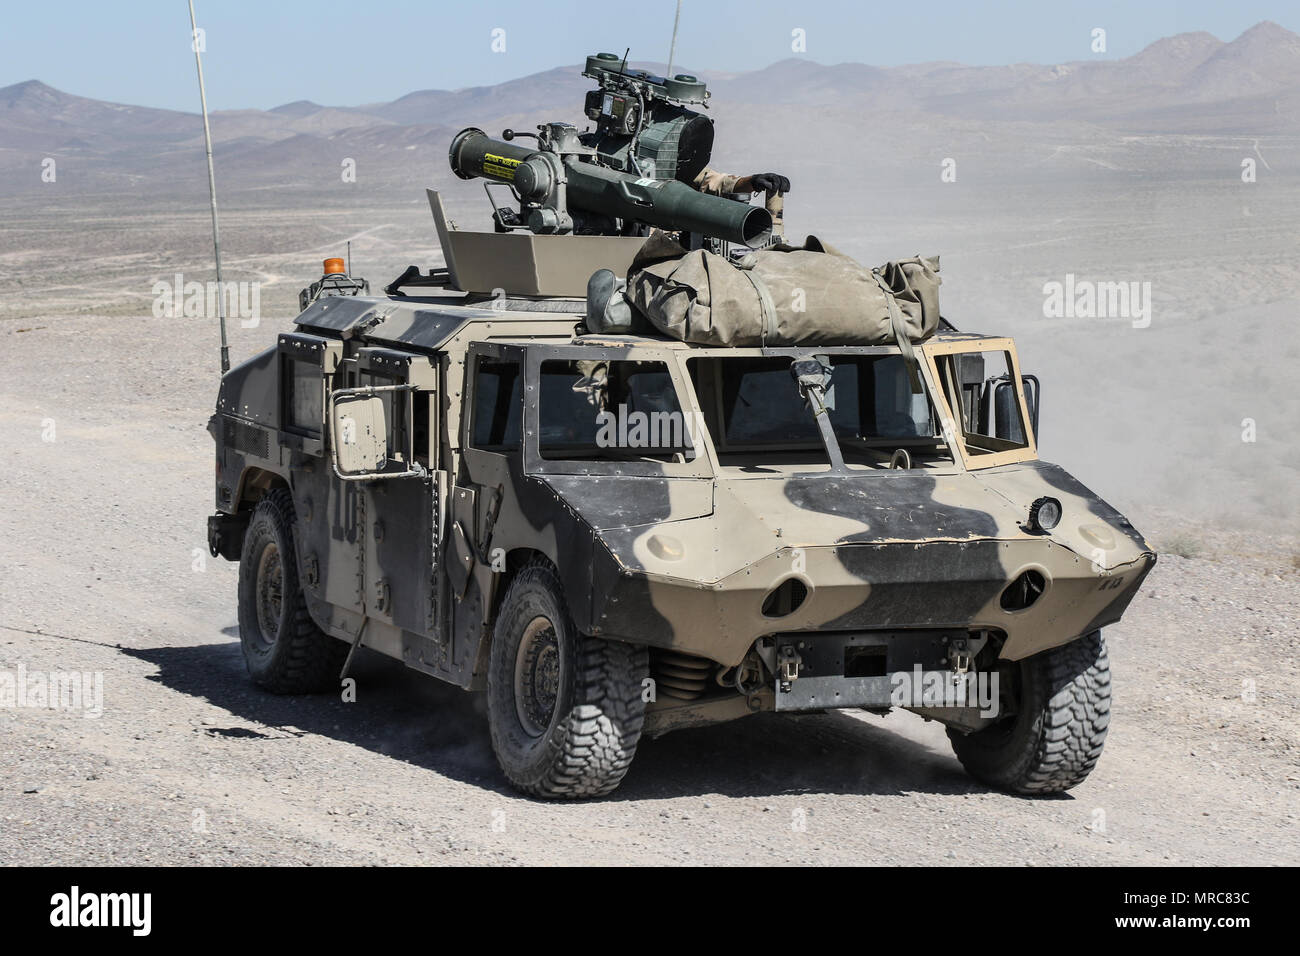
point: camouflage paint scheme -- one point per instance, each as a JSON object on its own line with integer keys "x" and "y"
{"x": 677, "y": 556}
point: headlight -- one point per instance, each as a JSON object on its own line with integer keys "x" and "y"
{"x": 1044, "y": 514}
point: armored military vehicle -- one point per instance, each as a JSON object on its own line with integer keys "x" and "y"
{"x": 622, "y": 534}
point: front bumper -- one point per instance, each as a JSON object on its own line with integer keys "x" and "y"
{"x": 927, "y": 585}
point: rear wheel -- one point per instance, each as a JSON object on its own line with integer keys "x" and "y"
{"x": 565, "y": 709}
{"x": 1056, "y": 736}
{"x": 283, "y": 648}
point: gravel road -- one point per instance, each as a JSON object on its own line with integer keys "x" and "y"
{"x": 106, "y": 481}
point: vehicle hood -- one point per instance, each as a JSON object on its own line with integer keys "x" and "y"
{"x": 709, "y": 529}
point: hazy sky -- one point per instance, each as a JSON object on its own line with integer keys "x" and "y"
{"x": 262, "y": 53}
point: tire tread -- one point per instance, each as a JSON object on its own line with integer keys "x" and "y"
{"x": 1070, "y": 691}
{"x": 599, "y": 735}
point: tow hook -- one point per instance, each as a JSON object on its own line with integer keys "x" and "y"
{"x": 787, "y": 664}
{"x": 960, "y": 656}
{"x": 959, "y": 653}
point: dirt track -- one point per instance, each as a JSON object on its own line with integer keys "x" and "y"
{"x": 105, "y": 570}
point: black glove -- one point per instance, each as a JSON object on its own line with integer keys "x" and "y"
{"x": 769, "y": 182}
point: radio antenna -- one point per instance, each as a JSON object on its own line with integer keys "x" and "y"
{"x": 673, "y": 49}
{"x": 212, "y": 191}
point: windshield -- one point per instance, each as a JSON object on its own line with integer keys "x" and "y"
{"x": 755, "y": 412}
{"x": 611, "y": 410}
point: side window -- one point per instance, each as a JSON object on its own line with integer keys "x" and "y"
{"x": 998, "y": 418}
{"x": 425, "y": 448}
{"x": 990, "y": 412}
{"x": 498, "y": 394}
{"x": 304, "y": 397}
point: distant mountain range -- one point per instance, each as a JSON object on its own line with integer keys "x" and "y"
{"x": 1189, "y": 83}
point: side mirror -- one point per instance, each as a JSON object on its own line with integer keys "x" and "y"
{"x": 359, "y": 435}
{"x": 358, "y": 424}
{"x": 1006, "y": 413}
{"x": 1031, "y": 387}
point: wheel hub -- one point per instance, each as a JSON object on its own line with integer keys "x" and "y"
{"x": 269, "y": 593}
{"x": 537, "y": 676}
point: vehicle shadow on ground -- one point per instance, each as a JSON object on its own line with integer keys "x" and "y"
{"x": 772, "y": 754}
{"x": 425, "y": 722}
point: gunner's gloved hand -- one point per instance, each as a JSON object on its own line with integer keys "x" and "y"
{"x": 769, "y": 182}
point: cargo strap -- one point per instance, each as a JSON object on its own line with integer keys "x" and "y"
{"x": 898, "y": 324}
{"x": 765, "y": 303}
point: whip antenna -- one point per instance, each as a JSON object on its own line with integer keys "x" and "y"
{"x": 673, "y": 49}
{"x": 212, "y": 190}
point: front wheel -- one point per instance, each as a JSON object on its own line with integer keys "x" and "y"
{"x": 284, "y": 649}
{"x": 1056, "y": 736}
{"x": 565, "y": 709}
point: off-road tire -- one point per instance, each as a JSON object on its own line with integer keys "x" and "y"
{"x": 1055, "y": 739}
{"x": 588, "y": 744}
{"x": 298, "y": 657}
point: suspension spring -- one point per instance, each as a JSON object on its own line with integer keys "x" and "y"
{"x": 681, "y": 676}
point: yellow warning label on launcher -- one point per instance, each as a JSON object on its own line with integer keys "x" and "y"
{"x": 503, "y": 166}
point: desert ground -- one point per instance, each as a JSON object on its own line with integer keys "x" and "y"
{"x": 106, "y": 480}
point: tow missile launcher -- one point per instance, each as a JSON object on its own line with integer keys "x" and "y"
{"x": 632, "y": 171}
{"x": 561, "y": 188}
